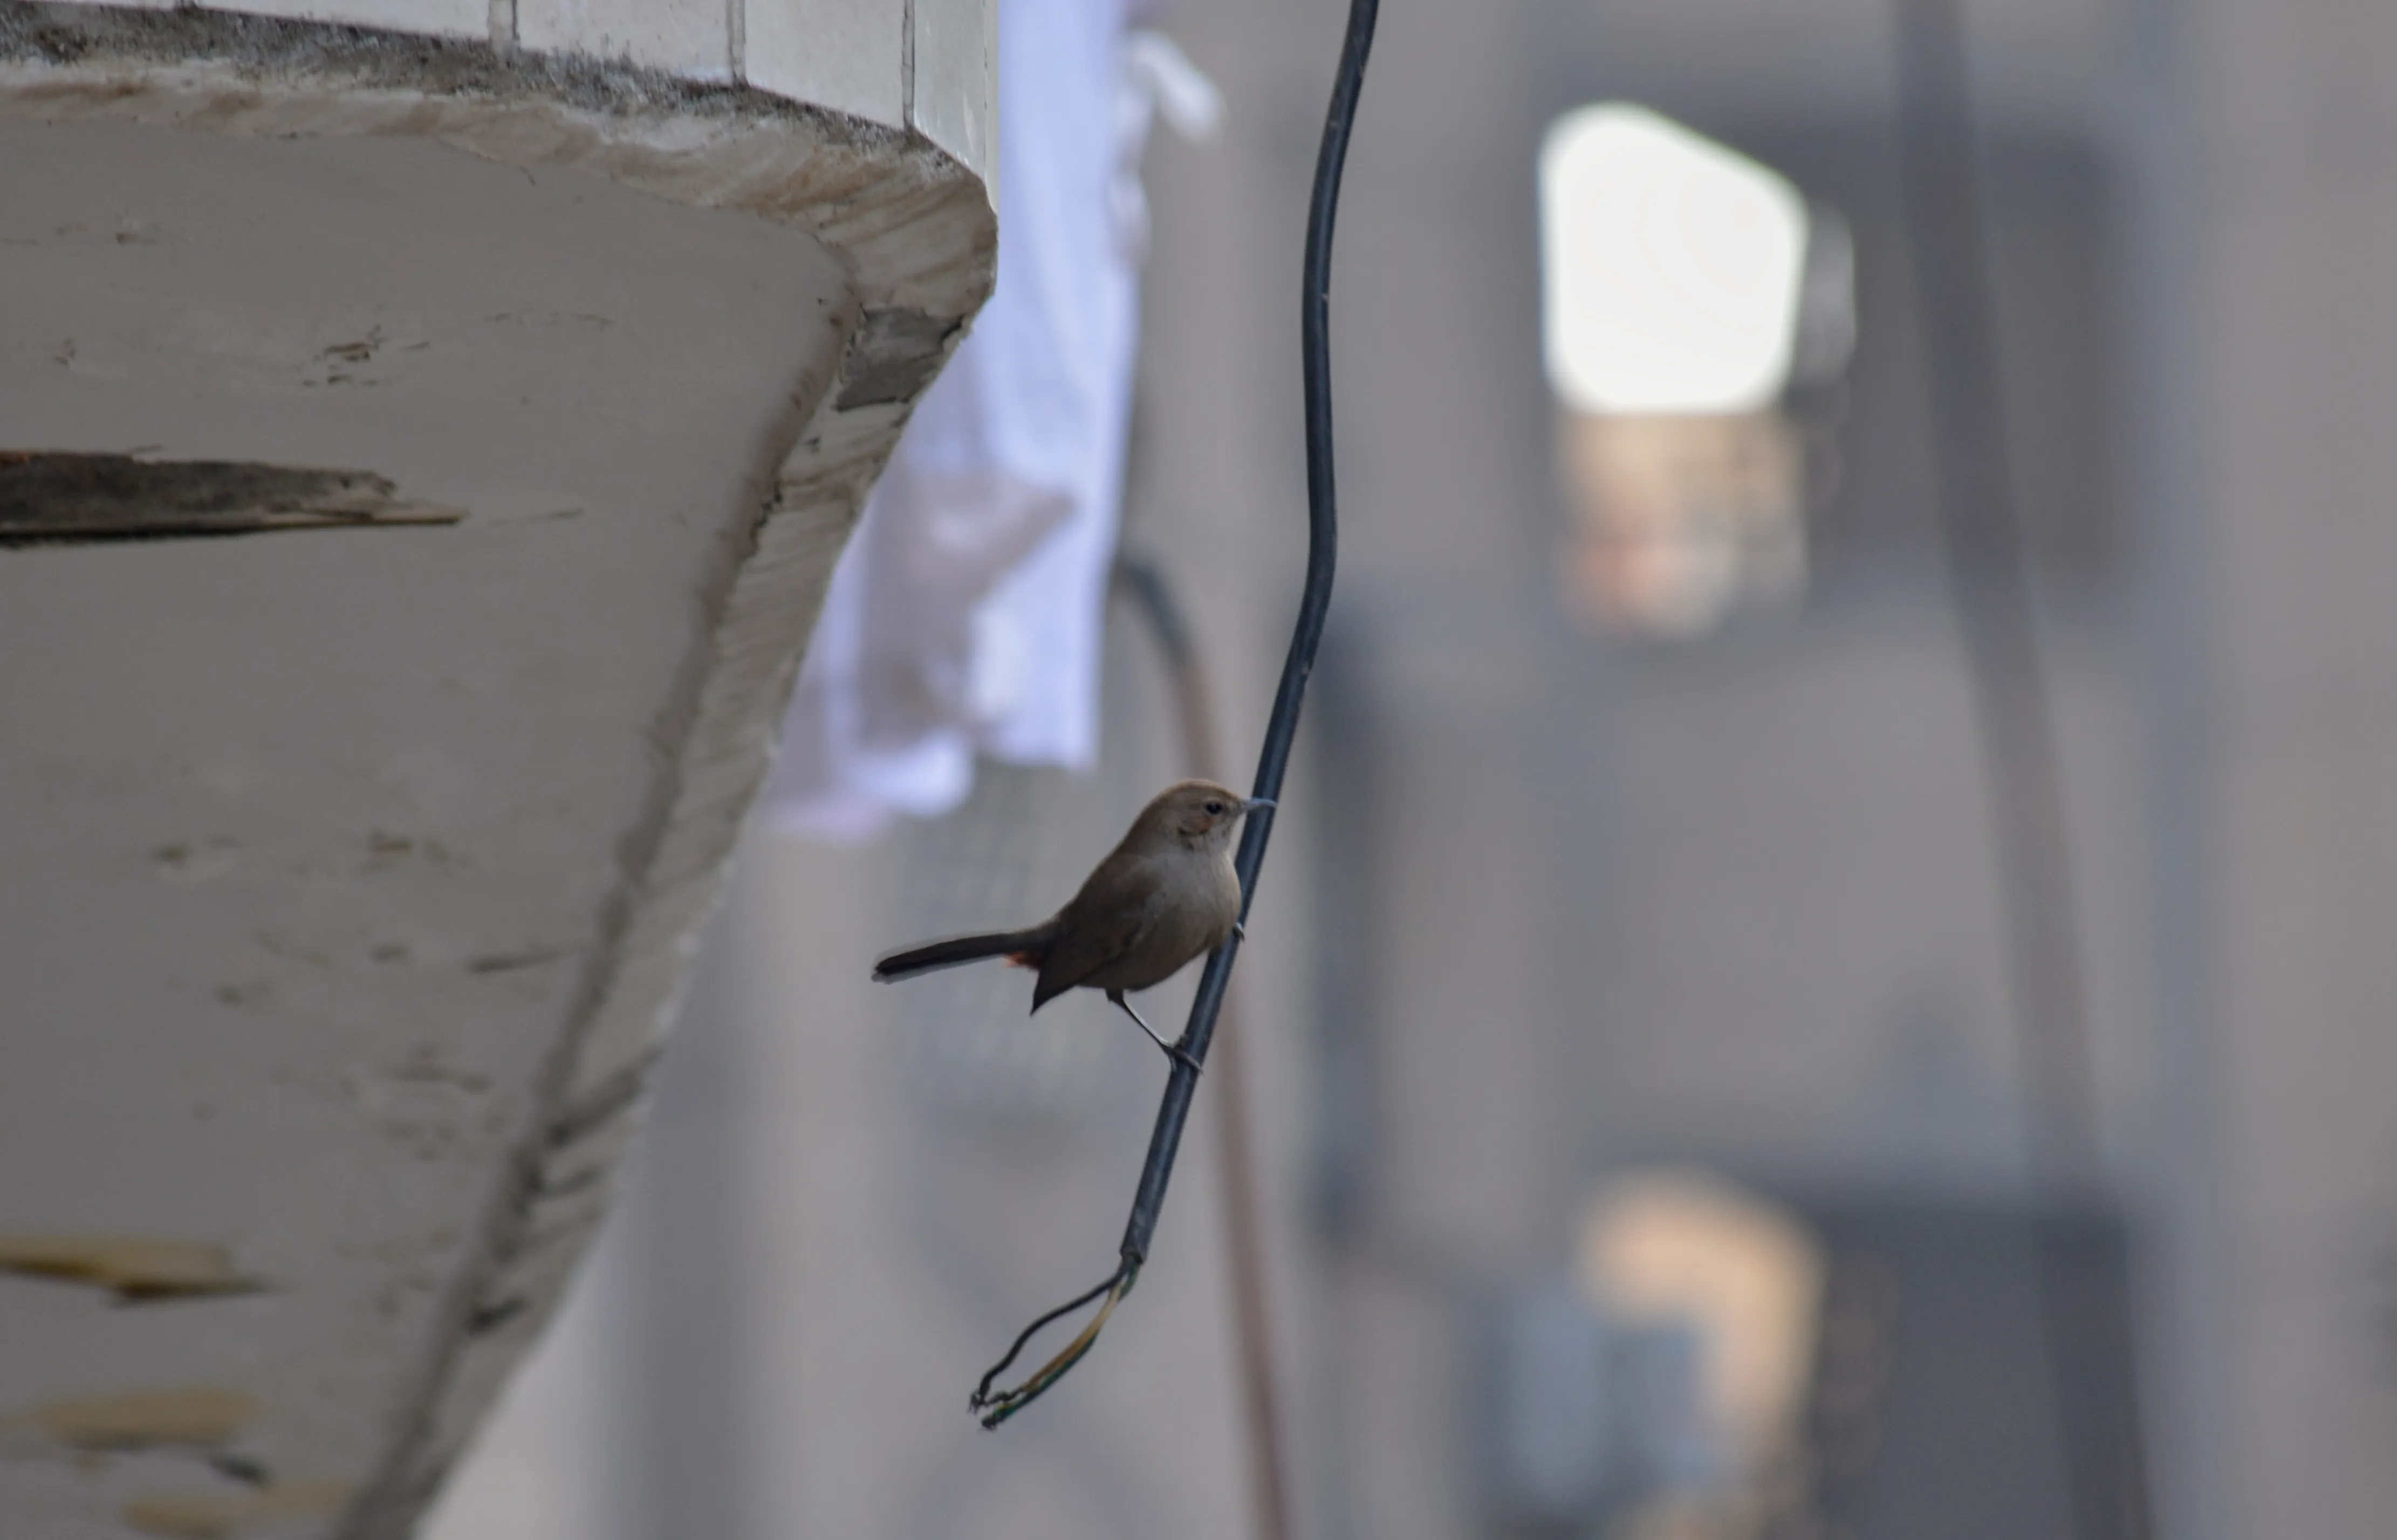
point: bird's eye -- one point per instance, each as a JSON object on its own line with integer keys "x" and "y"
{"x": 1215, "y": 808}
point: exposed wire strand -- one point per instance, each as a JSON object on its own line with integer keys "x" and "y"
{"x": 995, "y": 1409}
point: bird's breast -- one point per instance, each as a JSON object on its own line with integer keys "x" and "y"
{"x": 1201, "y": 903}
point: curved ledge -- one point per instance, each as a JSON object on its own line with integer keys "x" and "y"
{"x": 912, "y": 234}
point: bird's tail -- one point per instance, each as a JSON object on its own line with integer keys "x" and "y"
{"x": 1028, "y": 945}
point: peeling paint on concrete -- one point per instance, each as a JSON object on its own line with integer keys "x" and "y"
{"x": 58, "y": 498}
{"x": 183, "y": 1418}
{"x": 894, "y": 356}
{"x": 225, "y": 1515}
{"x": 134, "y": 1268}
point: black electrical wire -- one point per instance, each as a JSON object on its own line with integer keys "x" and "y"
{"x": 1989, "y": 571}
{"x": 1281, "y": 731}
{"x": 1144, "y": 586}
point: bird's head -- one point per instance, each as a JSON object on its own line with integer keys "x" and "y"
{"x": 1199, "y": 813}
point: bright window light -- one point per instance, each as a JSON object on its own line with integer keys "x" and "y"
{"x": 1671, "y": 267}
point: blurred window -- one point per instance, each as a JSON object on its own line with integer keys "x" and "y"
{"x": 1686, "y": 289}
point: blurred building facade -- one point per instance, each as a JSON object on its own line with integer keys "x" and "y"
{"x": 1552, "y": 906}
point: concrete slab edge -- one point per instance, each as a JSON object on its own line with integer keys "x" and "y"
{"x": 914, "y": 231}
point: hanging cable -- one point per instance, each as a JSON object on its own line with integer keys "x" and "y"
{"x": 1144, "y": 586}
{"x": 1282, "y": 729}
{"x": 1988, "y": 572}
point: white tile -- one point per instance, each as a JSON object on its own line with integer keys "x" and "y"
{"x": 440, "y": 18}
{"x": 957, "y": 60}
{"x": 848, "y": 55}
{"x": 686, "y": 37}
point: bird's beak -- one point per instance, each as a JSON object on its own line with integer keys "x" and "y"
{"x": 1252, "y": 803}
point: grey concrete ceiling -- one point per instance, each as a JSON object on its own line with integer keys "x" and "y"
{"x": 351, "y": 870}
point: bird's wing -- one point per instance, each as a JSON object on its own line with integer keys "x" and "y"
{"x": 1098, "y": 927}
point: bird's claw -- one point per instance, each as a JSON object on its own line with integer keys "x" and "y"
{"x": 1173, "y": 1051}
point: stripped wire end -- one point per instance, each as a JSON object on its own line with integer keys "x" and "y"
{"x": 994, "y": 1408}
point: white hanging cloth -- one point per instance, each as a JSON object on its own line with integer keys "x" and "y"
{"x": 966, "y": 614}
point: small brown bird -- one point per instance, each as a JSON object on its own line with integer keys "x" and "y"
{"x": 1166, "y": 895}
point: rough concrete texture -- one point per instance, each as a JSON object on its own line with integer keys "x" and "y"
{"x": 354, "y": 868}
{"x": 264, "y": 49}
{"x": 924, "y": 67}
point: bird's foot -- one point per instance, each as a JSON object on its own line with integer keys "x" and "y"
{"x": 1173, "y": 1051}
